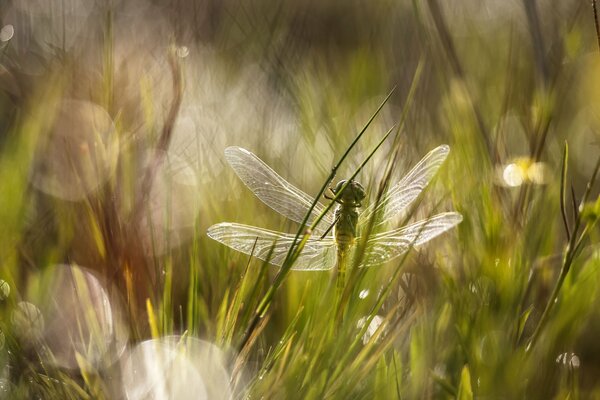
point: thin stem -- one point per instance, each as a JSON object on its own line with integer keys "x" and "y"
{"x": 574, "y": 203}
{"x": 163, "y": 141}
{"x": 563, "y": 184}
{"x": 570, "y": 254}
{"x": 595, "y": 8}
{"x": 590, "y": 183}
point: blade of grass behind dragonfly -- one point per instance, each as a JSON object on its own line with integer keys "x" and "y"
{"x": 368, "y": 357}
{"x": 193, "y": 303}
{"x": 344, "y": 359}
{"x": 273, "y": 354}
{"x": 265, "y": 263}
{"x": 319, "y": 319}
{"x": 570, "y": 254}
{"x": 240, "y": 298}
{"x": 375, "y": 309}
{"x": 297, "y": 246}
{"x": 288, "y": 335}
{"x": 363, "y": 361}
{"x": 233, "y": 308}
{"x": 166, "y": 312}
{"x": 254, "y": 296}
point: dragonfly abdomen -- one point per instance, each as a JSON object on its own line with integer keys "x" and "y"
{"x": 345, "y": 226}
{"x": 345, "y": 234}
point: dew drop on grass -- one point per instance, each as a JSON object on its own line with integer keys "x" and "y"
{"x": 4, "y": 387}
{"x": 4, "y": 290}
{"x": 6, "y": 33}
{"x": 440, "y": 370}
{"x": 489, "y": 349}
{"x": 363, "y": 293}
{"x": 182, "y": 51}
{"x": 568, "y": 359}
{"x": 27, "y": 321}
{"x": 372, "y": 328}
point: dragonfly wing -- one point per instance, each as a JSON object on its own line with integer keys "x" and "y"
{"x": 386, "y": 246}
{"x": 273, "y": 190}
{"x": 401, "y": 195}
{"x": 271, "y": 246}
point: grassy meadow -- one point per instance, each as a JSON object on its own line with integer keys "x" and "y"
{"x": 114, "y": 118}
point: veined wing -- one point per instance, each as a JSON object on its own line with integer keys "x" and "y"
{"x": 401, "y": 195}
{"x": 273, "y": 190}
{"x": 317, "y": 254}
{"x": 386, "y": 246}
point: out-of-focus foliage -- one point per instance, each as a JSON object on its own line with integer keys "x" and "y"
{"x": 114, "y": 115}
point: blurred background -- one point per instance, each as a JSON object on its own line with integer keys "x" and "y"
{"x": 114, "y": 116}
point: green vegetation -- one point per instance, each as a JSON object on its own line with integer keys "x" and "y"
{"x": 114, "y": 116}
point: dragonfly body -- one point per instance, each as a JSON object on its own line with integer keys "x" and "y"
{"x": 334, "y": 236}
{"x": 346, "y": 223}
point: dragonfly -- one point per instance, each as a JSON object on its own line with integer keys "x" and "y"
{"x": 338, "y": 232}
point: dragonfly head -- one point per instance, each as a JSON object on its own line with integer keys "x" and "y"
{"x": 353, "y": 194}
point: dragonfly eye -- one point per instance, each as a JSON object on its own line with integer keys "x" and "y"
{"x": 359, "y": 191}
{"x": 339, "y": 186}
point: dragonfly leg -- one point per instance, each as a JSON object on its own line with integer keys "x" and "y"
{"x": 330, "y": 227}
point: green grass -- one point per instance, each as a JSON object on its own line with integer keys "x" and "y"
{"x": 503, "y": 306}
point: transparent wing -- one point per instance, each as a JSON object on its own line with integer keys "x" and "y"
{"x": 401, "y": 195}
{"x": 318, "y": 254}
{"x": 386, "y": 246}
{"x": 273, "y": 190}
